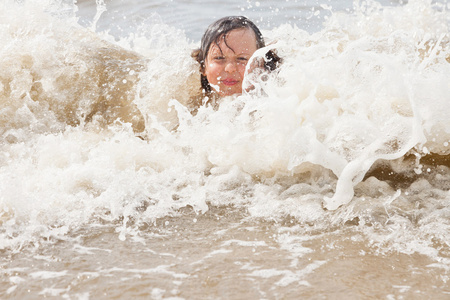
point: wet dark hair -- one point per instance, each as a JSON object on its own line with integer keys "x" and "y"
{"x": 220, "y": 29}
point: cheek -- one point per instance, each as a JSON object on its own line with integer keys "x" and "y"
{"x": 212, "y": 72}
{"x": 241, "y": 69}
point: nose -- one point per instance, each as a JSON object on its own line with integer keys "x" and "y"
{"x": 230, "y": 66}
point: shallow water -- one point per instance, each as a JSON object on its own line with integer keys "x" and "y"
{"x": 223, "y": 256}
{"x": 329, "y": 180}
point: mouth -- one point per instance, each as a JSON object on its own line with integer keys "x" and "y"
{"x": 230, "y": 82}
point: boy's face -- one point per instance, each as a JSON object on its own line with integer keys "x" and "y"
{"x": 225, "y": 62}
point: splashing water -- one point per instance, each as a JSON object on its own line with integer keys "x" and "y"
{"x": 345, "y": 147}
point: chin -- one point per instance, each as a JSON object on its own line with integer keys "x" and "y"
{"x": 230, "y": 92}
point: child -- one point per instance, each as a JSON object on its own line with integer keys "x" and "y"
{"x": 225, "y": 50}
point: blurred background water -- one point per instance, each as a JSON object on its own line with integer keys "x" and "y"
{"x": 193, "y": 16}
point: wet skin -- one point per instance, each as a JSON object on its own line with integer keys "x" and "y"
{"x": 226, "y": 61}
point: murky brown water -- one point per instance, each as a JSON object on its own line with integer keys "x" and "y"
{"x": 101, "y": 199}
{"x": 220, "y": 255}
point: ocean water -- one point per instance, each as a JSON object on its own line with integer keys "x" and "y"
{"x": 329, "y": 180}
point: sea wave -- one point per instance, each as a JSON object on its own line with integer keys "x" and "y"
{"x": 352, "y": 128}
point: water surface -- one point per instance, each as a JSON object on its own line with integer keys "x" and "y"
{"x": 329, "y": 180}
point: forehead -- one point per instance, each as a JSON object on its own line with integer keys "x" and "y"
{"x": 237, "y": 40}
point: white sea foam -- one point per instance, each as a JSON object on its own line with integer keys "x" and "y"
{"x": 47, "y": 274}
{"x": 288, "y": 277}
{"x": 369, "y": 88}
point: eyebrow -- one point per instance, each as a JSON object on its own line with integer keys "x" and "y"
{"x": 214, "y": 50}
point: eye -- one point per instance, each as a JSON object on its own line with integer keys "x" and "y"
{"x": 242, "y": 59}
{"x": 218, "y": 57}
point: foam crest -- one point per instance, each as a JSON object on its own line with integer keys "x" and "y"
{"x": 366, "y": 90}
